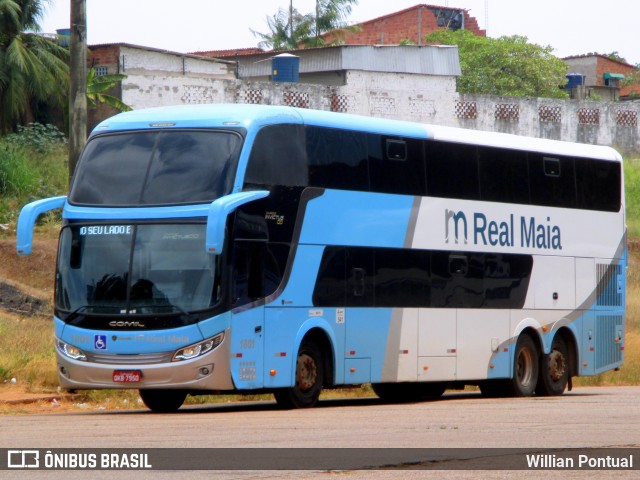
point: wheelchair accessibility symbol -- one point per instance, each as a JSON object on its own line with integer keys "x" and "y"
{"x": 100, "y": 342}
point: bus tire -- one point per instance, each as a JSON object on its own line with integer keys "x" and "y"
{"x": 525, "y": 368}
{"x": 309, "y": 379}
{"x": 163, "y": 401}
{"x": 554, "y": 369}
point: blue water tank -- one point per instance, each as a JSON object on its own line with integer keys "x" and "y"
{"x": 575, "y": 80}
{"x": 64, "y": 35}
{"x": 285, "y": 68}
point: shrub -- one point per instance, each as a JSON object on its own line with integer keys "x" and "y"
{"x": 36, "y": 136}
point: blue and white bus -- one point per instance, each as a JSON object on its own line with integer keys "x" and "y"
{"x": 245, "y": 249}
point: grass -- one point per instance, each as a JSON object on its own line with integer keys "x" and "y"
{"x": 30, "y": 171}
{"x": 26, "y": 343}
{"x": 632, "y": 194}
{"x": 28, "y": 352}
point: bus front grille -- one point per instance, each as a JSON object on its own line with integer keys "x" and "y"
{"x": 141, "y": 359}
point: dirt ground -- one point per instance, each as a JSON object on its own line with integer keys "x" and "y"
{"x": 26, "y": 288}
{"x": 26, "y": 282}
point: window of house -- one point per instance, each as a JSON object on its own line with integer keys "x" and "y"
{"x": 100, "y": 71}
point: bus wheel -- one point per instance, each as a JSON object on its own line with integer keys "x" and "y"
{"x": 554, "y": 369}
{"x": 525, "y": 368}
{"x": 309, "y": 375}
{"x": 163, "y": 401}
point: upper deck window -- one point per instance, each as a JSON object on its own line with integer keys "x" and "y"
{"x": 156, "y": 168}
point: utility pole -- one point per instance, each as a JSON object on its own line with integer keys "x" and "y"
{"x": 291, "y": 19}
{"x": 78, "y": 84}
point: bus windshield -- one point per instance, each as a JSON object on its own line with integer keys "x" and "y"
{"x": 156, "y": 168}
{"x": 135, "y": 269}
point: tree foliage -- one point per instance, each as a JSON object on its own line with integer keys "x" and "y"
{"x": 330, "y": 16}
{"x": 33, "y": 68}
{"x": 98, "y": 85}
{"x": 289, "y": 29}
{"x": 506, "y": 66}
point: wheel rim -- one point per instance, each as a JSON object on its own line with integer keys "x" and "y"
{"x": 306, "y": 372}
{"x": 524, "y": 367}
{"x": 557, "y": 365}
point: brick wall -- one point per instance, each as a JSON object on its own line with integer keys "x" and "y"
{"x": 606, "y": 65}
{"x": 104, "y": 55}
{"x": 411, "y": 24}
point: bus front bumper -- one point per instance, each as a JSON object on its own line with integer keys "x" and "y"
{"x": 210, "y": 371}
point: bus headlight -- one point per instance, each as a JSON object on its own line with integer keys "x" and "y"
{"x": 70, "y": 351}
{"x": 198, "y": 349}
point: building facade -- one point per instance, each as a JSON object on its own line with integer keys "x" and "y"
{"x": 601, "y": 78}
{"x": 410, "y": 25}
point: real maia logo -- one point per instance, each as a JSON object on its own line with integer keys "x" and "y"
{"x": 525, "y": 232}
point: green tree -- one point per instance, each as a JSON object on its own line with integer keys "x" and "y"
{"x": 287, "y": 29}
{"x": 330, "y": 15}
{"x": 98, "y": 85}
{"x": 509, "y": 66}
{"x": 33, "y": 68}
{"x": 613, "y": 56}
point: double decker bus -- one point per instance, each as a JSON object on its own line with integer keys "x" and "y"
{"x": 246, "y": 249}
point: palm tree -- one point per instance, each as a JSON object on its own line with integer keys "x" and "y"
{"x": 33, "y": 68}
{"x": 332, "y": 15}
{"x": 287, "y": 29}
{"x": 97, "y": 85}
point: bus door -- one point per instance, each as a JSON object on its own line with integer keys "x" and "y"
{"x": 456, "y": 283}
{"x": 247, "y": 325}
{"x": 437, "y": 344}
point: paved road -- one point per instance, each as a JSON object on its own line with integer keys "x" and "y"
{"x": 586, "y": 417}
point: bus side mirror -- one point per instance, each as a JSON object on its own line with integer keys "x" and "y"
{"x": 27, "y": 220}
{"x": 219, "y": 210}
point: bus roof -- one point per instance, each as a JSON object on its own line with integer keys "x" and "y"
{"x": 256, "y": 116}
{"x": 518, "y": 142}
{"x": 251, "y": 116}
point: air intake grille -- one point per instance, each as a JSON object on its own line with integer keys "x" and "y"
{"x": 607, "y": 349}
{"x": 610, "y": 285}
{"x": 142, "y": 359}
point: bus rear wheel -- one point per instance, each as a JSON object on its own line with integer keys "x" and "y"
{"x": 163, "y": 401}
{"x": 525, "y": 368}
{"x": 309, "y": 375}
{"x": 554, "y": 369}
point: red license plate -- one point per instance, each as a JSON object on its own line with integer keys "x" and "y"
{"x": 127, "y": 376}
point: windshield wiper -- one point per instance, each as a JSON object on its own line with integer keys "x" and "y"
{"x": 159, "y": 310}
{"x": 76, "y": 313}
{"x": 184, "y": 312}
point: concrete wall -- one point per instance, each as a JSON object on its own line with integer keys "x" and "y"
{"x": 388, "y": 95}
{"x": 131, "y": 60}
{"x": 601, "y": 123}
{"x": 408, "y": 97}
{"x": 135, "y": 60}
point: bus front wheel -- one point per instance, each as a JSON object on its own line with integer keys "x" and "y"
{"x": 554, "y": 369}
{"x": 163, "y": 401}
{"x": 309, "y": 375}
